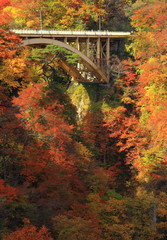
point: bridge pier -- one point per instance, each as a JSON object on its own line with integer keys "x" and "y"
{"x": 87, "y": 47}
{"x": 98, "y": 51}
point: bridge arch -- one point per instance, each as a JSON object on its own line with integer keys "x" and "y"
{"x": 85, "y": 60}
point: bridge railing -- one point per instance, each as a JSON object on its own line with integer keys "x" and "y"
{"x": 69, "y": 32}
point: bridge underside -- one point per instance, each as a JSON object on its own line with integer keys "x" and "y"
{"x": 86, "y": 69}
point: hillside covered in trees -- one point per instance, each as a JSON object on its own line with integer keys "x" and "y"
{"x": 83, "y": 161}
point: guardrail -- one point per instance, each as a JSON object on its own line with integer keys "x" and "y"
{"x": 69, "y": 32}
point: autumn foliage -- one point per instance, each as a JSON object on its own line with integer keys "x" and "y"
{"x": 29, "y": 232}
{"x": 78, "y": 160}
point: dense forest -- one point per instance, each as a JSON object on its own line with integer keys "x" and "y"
{"x": 83, "y": 161}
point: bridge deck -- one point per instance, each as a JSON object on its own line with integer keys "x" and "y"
{"x": 68, "y": 33}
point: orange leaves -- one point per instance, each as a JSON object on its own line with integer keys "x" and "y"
{"x": 8, "y": 44}
{"x": 113, "y": 120}
{"x": 76, "y": 3}
{"x": 153, "y": 98}
{"x": 8, "y": 47}
{"x": 4, "y": 3}
{"x": 157, "y": 123}
{"x": 113, "y": 172}
{"x": 88, "y": 12}
{"x": 44, "y": 118}
{"x": 7, "y": 193}
{"x": 28, "y": 232}
{"x": 22, "y": 13}
{"x": 151, "y": 17}
{"x": 3, "y": 16}
{"x": 165, "y": 160}
{"x": 55, "y": 14}
{"x": 123, "y": 129}
{"x": 149, "y": 45}
{"x": 150, "y": 23}
{"x": 50, "y": 157}
{"x": 130, "y": 74}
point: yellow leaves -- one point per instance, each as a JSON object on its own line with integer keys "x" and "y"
{"x": 127, "y": 100}
{"x": 9, "y": 81}
{"x": 152, "y": 60}
{"x": 22, "y": 14}
{"x": 16, "y": 66}
{"x": 15, "y": 12}
{"x": 144, "y": 116}
{"x": 67, "y": 20}
{"x": 83, "y": 150}
{"x": 151, "y": 159}
{"x": 112, "y": 216}
{"x": 162, "y": 205}
{"x": 17, "y": 15}
{"x": 31, "y": 23}
{"x": 74, "y": 228}
{"x": 36, "y": 71}
{"x": 163, "y": 59}
{"x": 84, "y": 156}
{"x": 14, "y": 72}
{"x": 115, "y": 231}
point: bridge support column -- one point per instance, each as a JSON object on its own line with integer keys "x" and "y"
{"x": 108, "y": 49}
{"x": 108, "y": 55}
{"x": 65, "y": 40}
{"x": 98, "y": 51}
{"x": 87, "y": 47}
{"x": 78, "y": 47}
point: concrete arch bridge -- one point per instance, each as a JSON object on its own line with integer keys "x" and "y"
{"x": 94, "y": 49}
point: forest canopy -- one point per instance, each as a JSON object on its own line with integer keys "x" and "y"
{"x": 83, "y": 160}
